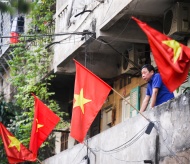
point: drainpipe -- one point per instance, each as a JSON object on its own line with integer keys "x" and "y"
{"x": 157, "y": 152}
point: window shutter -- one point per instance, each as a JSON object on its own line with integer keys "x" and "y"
{"x": 135, "y": 101}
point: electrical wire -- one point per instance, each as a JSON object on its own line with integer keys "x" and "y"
{"x": 138, "y": 135}
{"x": 126, "y": 161}
{"x": 77, "y": 154}
{"x": 125, "y": 25}
{"x": 49, "y": 35}
{"x": 159, "y": 125}
{"x": 79, "y": 33}
{"x": 4, "y": 44}
{"x": 166, "y": 145}
{"x": 74, "y": 40}
{"x": 127, "y": 59}
{"x": 100, "y": 41}
{"x": 133, "y": 140}
{"x": 106, "y": 14}
{"x": 173, "y": 153}
{"x": 71, "y": 33}
{"x": 126, "y": 144}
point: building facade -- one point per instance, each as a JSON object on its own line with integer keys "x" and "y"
{"x": 5, "y": 23}
{"x": 101, "y": 35}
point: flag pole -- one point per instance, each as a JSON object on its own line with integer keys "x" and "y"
{"x": 90, "y": 150}
{"x": 39, "y": 161}
{"x": 130, "y": 104}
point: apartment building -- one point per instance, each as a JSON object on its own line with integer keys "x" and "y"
{"x": 101, "y": 35}
{"x": 5, "y": 86}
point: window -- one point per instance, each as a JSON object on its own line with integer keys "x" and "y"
{"x": 135, "y": 101}
{"x": 125, "y": 108}
{"x": 107, "y": 117}
{"x": 64, "y": 141}
{"x": 18, "y": 25}
{"x": 143, "y": 94}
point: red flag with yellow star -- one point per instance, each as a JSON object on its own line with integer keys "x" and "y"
{"x": 44, "y": 122}
{"x": 171, "y": 57}
{"x": 89, "y": 95}
{"x": 16, "y": 152}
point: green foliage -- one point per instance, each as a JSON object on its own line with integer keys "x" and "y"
{"x": 28, "y": 69}
{"x": 13, "y": 6}
{"x": 6, "y": 112}
{"x": 3, "y": 159}
{"x": 21, "y": 5}
{"x": 5, "y": 8}
{"x": 42, "y": 14}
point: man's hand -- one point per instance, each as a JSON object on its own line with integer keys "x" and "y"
{"x": 145, "y": 103}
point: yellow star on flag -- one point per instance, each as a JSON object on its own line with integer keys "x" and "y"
{"x": 38, "y": 125}
{"x": 80, "y": 100}
{"x": 14, "y": 142}
{"x": 176, "y": 48}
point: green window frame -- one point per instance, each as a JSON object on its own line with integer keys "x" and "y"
{"x": 135, "y": 101}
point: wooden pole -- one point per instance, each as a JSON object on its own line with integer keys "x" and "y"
{"x": 39, "y": 161}
{"x": 90, "y": 150}
{"x": 130, "y": 104}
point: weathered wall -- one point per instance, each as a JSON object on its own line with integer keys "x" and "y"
{"x": 5, "y": 23}
{"x": 102, "y": 14}
{"x": 5, "y": 87}
{"x": 172, "y": 120}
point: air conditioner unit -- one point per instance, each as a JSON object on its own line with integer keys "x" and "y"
{"x": 177, "y": 19}
{"x": 133, "y": 59}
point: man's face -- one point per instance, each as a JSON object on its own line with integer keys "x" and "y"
{"x": 146, "y": 75}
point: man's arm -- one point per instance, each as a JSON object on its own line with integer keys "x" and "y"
{"x": 154, "y": 96}
{"x": 145, "y": 103}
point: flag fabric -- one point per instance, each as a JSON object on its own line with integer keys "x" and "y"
{"x": 171, "y": 57}
{"x": 90, "y": 93}
{"x": 16, "y": 152}
{"x": 44, "y": 122}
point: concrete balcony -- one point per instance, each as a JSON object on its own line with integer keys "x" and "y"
{"x": 127, "y": 142}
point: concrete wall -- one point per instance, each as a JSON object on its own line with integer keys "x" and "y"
{"x": 5, "y": 23}
{"x": 127, "y": 143}
{"x": 102, "y": 14}
{"x": 5, "y": 87}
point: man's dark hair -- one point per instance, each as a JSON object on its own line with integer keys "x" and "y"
{"x": 149, "y": 67}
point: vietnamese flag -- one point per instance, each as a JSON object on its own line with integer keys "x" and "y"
{"x": 44, "y": 122}
{"x": 90, "y": 93}
{"x": 171, "y": 57}
{"x": 16, "y": 152}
